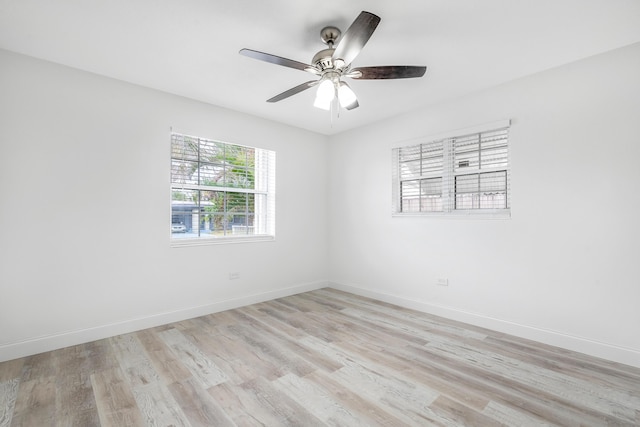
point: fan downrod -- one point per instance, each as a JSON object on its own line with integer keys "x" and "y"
{"x": 323, "y": 60}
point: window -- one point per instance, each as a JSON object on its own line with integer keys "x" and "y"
{"x": 220, "y": 191}
{"x": 454, "y": 175}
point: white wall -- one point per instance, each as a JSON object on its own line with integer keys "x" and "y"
{"x": 565, "y": 269}
{"x": 84, "y": 210}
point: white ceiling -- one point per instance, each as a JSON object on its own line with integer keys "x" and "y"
{"x": 190, "y": 47}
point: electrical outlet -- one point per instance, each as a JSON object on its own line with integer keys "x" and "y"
{"x": 442, "y": 282}
{"x": 234, "y": 275}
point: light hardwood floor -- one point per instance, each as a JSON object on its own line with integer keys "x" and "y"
{"x": 319, "y": 358}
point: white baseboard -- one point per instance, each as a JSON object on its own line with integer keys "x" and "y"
{"x": 627, "y": 356}
{"x": 37, "y": 345}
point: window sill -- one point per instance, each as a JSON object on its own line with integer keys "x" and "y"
{"x": 204, "y": 241}
{"x": 462, "y": 214}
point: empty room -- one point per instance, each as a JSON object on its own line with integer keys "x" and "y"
{"x": 346, "y": 213}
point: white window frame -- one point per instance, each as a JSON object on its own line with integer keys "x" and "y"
{"x": 445, "y": 171}
{"x": 263, "y": 227}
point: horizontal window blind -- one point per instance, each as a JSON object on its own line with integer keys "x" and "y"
{"x": 420, "y": 170}
{"x": 485, "y": 150}
{"x": 467, "y": 173}
{"x": 481, "y": 191}
{"x": 220, "y": 190}
{"x": 487, "y": 154}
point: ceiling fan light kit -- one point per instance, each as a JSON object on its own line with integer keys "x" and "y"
{"x": 325, "y": 94}
{"x": 334, "y": 62}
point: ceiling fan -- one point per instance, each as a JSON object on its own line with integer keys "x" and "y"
{"x": 334, "y": 62}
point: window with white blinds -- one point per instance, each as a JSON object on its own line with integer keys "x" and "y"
{"x": 220, "y": 191}
{"x": 457, "y": 175}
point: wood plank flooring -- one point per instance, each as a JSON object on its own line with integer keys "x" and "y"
{"x": 322, "y": 358}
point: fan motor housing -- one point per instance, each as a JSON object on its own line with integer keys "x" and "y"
{"x": 323, "y": 59}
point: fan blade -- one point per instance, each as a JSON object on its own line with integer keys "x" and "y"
{"x": 278, "y": 60}
{"x": 293, "y": 91}
{"x": 387, "y": 72}
{"x": 356, "y": 36}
